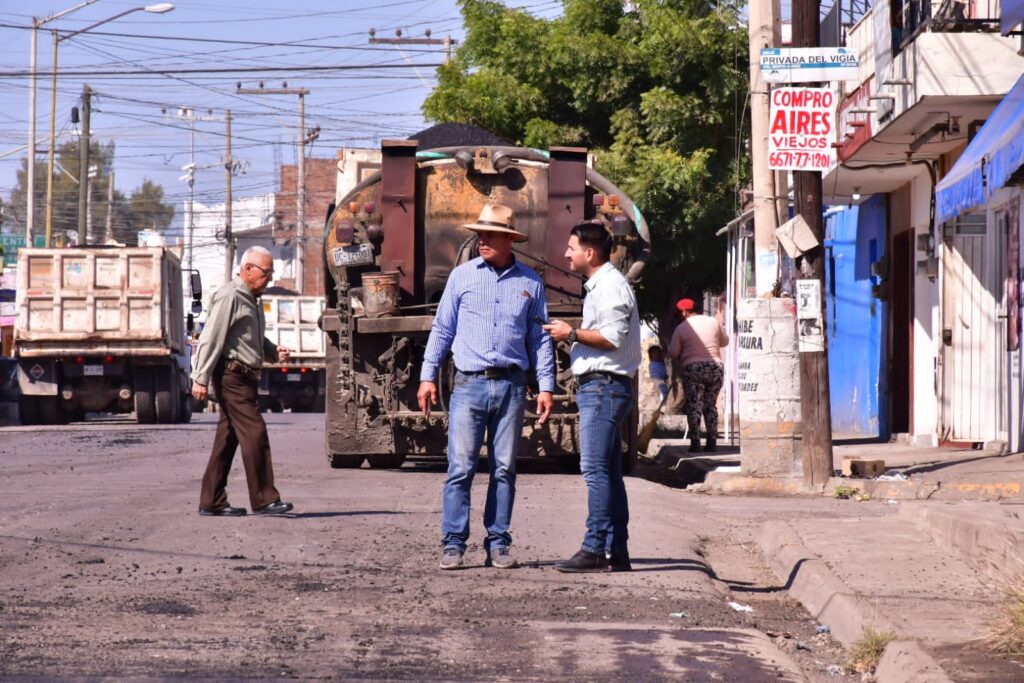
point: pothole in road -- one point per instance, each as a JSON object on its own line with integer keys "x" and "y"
{"x": 168, "y": 607}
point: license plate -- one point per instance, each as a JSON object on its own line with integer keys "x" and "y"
{"x": 354, "y": 255}
{"x": 92, "y": 369}
{"x": 294, "y": 377}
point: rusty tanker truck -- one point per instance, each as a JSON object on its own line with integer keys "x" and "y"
{"x": 389, "y": 245}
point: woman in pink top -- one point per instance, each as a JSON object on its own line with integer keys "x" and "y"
{"x": 697, "y": 345}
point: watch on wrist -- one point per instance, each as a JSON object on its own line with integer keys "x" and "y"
{"x": 572, "y": 336}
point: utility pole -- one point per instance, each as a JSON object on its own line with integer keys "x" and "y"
{"x": 765, "y": 29}
{"x": 83, "y": 167}
{"x": 229, "y": 238}
{"x": 815, "y": 408}
{"x": 50, "y": 159}
{"x": 447, "y": 41}
{"x": 300, "y": 209}
{"x": 108, "y": 233}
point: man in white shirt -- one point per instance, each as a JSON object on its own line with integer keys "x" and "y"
{"x": 605, "y": 356}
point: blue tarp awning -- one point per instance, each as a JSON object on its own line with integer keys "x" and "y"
{"x": 991, "y": 158}
{"x": 1012, "y": 14}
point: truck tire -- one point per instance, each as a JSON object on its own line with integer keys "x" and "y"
{"x": 342, "y": 461}
{"x": 28, "y": 409}
{"x": 185, "y": 410}
{"x": 386, "y": 461}
{"x": 145, "y": 411}
{"x": 165, "y": 394}
{"x": 49, "y": 411}
{"x": 631, "y": 427}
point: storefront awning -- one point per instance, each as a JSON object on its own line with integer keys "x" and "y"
{"x": 991, "y": 158}
{"x": 1012, "y": 15}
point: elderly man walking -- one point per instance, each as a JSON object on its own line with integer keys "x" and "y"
{"x": 490, "y": 317}
{"x": 231, "y": 351}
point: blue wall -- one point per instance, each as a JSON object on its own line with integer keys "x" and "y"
{"x": 855, "y": 238}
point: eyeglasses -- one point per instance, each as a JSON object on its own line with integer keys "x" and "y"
{"x": 266, "y": 273}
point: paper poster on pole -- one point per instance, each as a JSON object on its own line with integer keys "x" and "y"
{"x": 810, "y": 327}
{"x": 802, "y": 129}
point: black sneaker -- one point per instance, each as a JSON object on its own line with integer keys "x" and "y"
{"x": 584, "y": 562}
{"x": 451, "y": 558}
{"x": 710, "y": 445}
{"x": 695, "y": 446}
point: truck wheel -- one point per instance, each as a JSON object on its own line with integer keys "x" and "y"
{"x": 345, "y": 461}
{"x": 145, "y": 411}
{"x": 165, "y": 395}
{"x": 28, "y": 410}
{"x": 631, "y": 428}
{"x": 185, "y": 411}
{"x": 386, "y": 461}
{"x": 49, "y": 411}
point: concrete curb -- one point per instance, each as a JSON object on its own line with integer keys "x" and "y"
{"x": 810, "y": 580}
{"x": 740, "y": 484}
{"x": 990, "y": 539}
{"x": 904, "y": 661}
{"x": 9, "y": 414}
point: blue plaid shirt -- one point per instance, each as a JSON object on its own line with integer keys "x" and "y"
{"x": 490, "y": 320}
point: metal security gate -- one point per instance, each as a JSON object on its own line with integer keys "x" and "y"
{"x": 974, "y": 378}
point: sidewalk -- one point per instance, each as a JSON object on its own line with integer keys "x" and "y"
{"x": 927, "y": 560}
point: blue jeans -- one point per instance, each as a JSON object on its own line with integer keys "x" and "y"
{"x": 482, "y": 407}
{"x": 603, "y": 405}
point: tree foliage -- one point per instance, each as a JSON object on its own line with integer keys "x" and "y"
{"x": 656, "y": 88}
{"x": 144, "y": 209}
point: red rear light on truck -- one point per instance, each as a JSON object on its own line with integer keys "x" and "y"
{"x": 80, "y": 360}
{"x": 284, "y": 371}
{"x": 303, "y": 370}
{"x": 108, "y": 359}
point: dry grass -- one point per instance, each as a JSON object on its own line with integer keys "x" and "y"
{"x": 1005, "y": 632}
{"x": 865, "y": 653}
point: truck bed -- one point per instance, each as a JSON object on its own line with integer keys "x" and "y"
{"x": 125, "y": 301}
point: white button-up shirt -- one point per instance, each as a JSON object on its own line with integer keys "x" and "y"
{"x": 610, "y": 308}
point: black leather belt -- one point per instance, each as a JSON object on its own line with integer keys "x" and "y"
{"x": 493, "y": 373}
{"x": 239, "y": 366}
{"x": 598, "y": 374}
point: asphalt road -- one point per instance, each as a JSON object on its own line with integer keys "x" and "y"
{"x": 106, "y": 569}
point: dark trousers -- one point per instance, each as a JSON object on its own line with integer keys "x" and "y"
{"x": 240, "y": 425}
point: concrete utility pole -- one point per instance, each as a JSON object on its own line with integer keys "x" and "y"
{"x": 108, "y": 233}
{"x": 765, "y": 30}
{"x": 229, "y": 238}
{"x": 83, "y": 168}
{"x": 30, "y": 210}
{"x": 300, "y": 199}
{"x": 815, "y": 407}
{"x": 447, "y": 41}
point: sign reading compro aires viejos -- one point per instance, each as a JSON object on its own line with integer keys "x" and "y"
{"x": 801, "y": 129}
{"x": 808, "y": 64}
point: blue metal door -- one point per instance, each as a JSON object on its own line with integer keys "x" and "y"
{"x": 854, "y": 242}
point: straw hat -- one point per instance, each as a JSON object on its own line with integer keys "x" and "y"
{"x": 497, "y": 218}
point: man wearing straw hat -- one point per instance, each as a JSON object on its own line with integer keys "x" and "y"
{"x": 490, "y": 317}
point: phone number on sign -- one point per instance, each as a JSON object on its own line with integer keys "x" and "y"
{"x": 803, "y": 160}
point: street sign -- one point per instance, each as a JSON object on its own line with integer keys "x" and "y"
{"x": 11, "y": 244}
{"x": 801, "y": 129}
{"x": 808, "y": 64}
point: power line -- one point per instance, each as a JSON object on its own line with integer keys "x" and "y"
{"x": 229, "y": 70}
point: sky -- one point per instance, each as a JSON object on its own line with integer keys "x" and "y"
{"x": 377, "y": 96}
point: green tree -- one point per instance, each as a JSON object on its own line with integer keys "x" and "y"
{"x": 143, "y": 210}
{"x": 654, "y": 87}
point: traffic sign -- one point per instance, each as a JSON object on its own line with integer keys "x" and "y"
{"x": 808, "y": 64}
{"x": 11, "y": 244}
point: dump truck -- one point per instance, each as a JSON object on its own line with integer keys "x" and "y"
{"x": 102, "y": 329}
{"x": 389, "y": 245}
{"x": 298, "y": 385}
